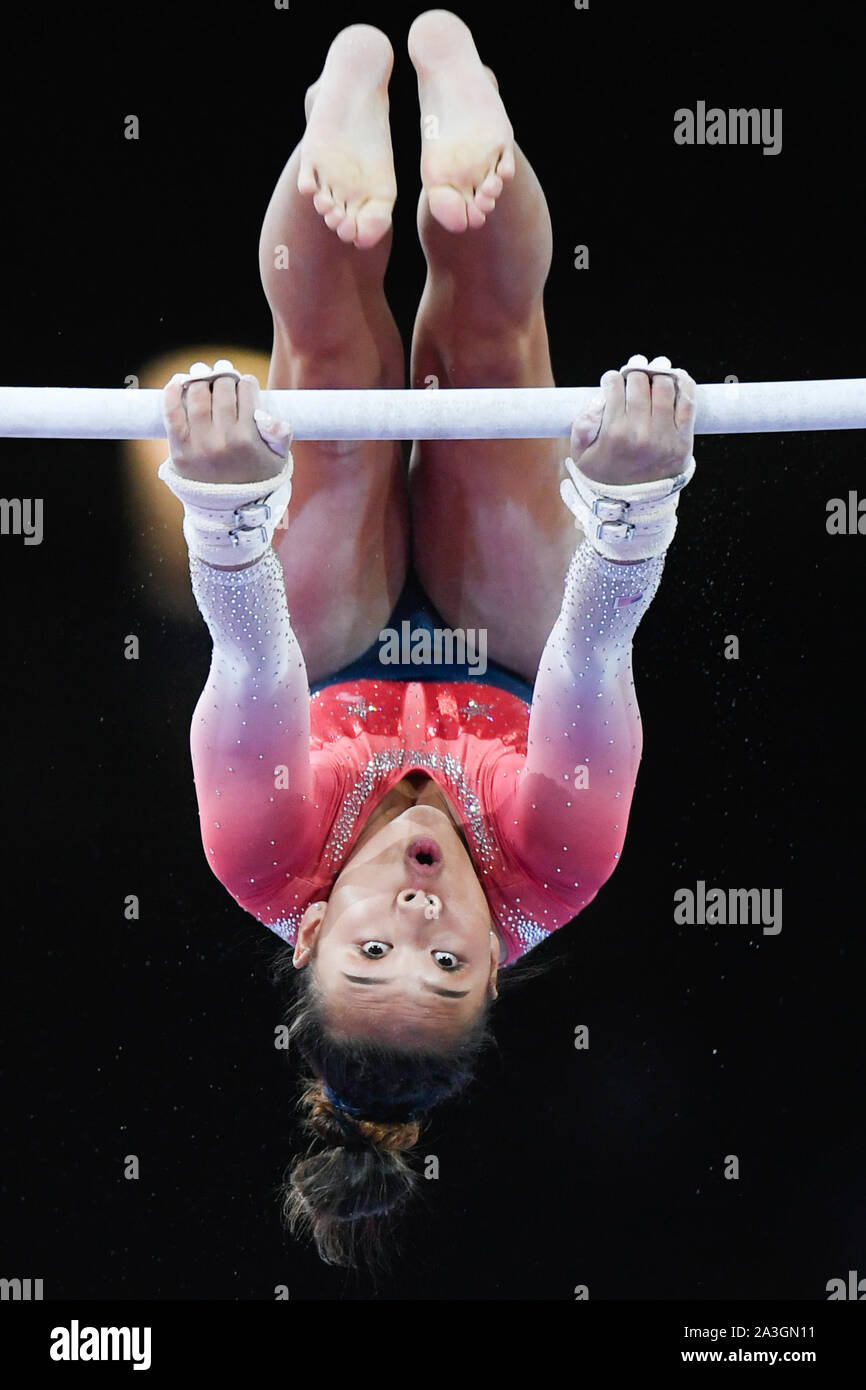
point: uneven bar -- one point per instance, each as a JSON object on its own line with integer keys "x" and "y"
{"x": 749, "y": 407}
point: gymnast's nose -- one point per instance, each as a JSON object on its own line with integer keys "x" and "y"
{"x": 419, "y": 906}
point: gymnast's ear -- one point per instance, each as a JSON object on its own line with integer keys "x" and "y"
{"x": 308, "y": 930}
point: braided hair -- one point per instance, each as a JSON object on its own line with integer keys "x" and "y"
{"x": 363, "y": 1107}
{"x": 363, "y": 1104}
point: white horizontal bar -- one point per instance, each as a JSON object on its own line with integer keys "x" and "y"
{"x": 749, "y": 407}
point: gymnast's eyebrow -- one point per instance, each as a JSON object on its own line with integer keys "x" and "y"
{"x": 434, "y": 989}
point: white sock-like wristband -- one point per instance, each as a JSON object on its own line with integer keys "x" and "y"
{"x": 629, "y": 521}
{"x": 230, "y": 523}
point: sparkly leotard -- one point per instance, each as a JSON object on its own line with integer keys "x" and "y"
{"x": 285, "y": 782}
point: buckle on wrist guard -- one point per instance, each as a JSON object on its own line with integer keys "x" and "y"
{"x": 245, "y": 520}
{"x": 251, "y": 507}
{"x": 605, "y": 531}
{"x": 619, "y": 513}
{"x": 233, "y": 532}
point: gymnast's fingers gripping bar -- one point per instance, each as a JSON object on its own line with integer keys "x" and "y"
{"x": 751, "y": 407}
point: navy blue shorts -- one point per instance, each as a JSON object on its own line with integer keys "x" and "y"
{"x": 413, "y": 606}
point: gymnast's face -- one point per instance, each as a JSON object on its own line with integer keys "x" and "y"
{"x": 404, "y": 950}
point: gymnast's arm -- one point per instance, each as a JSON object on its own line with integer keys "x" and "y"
{"x": 250, "y": 733}
{"x": 575, "y": 788}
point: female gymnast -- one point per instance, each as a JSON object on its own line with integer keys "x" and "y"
{"x": 412, "y": 830}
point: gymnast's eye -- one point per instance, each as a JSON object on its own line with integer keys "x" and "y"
{"x": 377, "y": 949}
{"x": 449, "y": 963}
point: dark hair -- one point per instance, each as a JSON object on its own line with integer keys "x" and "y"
{"x": 364, "y": 1103}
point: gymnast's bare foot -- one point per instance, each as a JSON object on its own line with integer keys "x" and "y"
{"x": 467, "y": 138}
{"x": 347, "y": 165}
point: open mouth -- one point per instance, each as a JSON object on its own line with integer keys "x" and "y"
{"x": 424, "y": 855}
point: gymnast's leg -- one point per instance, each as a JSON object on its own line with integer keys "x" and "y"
{"x": 492, "y": 540}
{"x": 323, "y": 252}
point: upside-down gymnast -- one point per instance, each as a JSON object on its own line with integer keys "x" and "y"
{"x": 411, "y": 832}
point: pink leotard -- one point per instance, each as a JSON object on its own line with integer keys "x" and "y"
{"x": 285, "y": 782}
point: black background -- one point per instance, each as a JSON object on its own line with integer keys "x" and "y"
{"x": 155, "y": 1037}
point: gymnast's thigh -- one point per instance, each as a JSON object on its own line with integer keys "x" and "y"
{"x": 344, "y": 544}
{"x": 491, "y": 537}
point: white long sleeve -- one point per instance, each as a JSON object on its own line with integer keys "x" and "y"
{"x": 585, "y": 737}
{"x": 250, "y": 735}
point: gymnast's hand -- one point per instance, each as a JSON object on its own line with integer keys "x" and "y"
{"x": 216, "y": 433}
{"x": 641, "y": 428}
